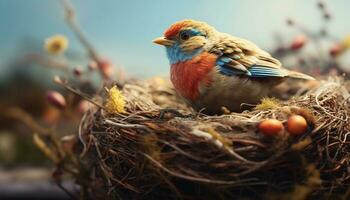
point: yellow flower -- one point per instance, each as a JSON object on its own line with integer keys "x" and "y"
{"x": 116, "y": 101}
{"x": 346, "y": 42}
{"x": 56, "y": 44}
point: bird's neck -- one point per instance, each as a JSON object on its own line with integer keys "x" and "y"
{"x": 176, "y": 54}
{"x": 187, "y": 76}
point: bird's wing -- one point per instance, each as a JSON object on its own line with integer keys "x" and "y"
{"x": 241, "y": 57}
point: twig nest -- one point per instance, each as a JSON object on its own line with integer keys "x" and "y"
{"x": 296, "y": 125}
{"x": 270, "y": 127}
{"x": 162, "y": 150}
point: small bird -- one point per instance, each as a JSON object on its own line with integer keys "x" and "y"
{"x": 212, "y": 70}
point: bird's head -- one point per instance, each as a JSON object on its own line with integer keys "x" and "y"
{"x": 186, "y": 39}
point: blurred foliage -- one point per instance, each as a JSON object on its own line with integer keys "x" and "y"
{"x": 17, "y": 149}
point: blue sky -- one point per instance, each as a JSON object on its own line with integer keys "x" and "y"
{"x": 123, "y": 29}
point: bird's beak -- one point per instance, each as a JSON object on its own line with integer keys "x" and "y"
{"x": 163, "y": 41}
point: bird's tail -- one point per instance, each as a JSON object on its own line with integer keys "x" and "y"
{"x": 298, "y": 75}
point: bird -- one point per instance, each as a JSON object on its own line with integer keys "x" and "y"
{"x": 212, "y": 70}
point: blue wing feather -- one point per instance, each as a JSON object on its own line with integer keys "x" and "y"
{"x": 227, "y": 70}
{"x": 255, "y": 71}
{"x": 261, "y": 71}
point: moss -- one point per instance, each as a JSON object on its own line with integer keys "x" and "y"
{"x": 268, "y": 103}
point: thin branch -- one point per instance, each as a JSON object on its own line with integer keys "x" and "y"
{"x": 64, "y": 84}
{"x": 72, "y": 22}
{"x": 27, "y": 119}
{"x": 133, "y": 126}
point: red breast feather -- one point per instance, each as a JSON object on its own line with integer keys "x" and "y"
{"x": 188, "y": 75}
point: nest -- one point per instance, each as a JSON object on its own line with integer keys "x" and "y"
{"x": 161, "y": 149}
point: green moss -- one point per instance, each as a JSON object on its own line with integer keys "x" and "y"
{"x": 268, "y": 103}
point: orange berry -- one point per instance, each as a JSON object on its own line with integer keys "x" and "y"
{"x": 270, "y": 127}
{"x": 296, "y": 125}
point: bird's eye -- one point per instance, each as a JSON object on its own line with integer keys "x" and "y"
{"x": 184, "y": 35}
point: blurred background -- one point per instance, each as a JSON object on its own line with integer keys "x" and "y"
{"x": 311, "y": 36}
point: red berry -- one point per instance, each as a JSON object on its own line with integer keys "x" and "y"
{"x": 106, "y": 68}
{"x": 56, "y": 99}
{"x": 77, "y": 71}
{"x": 298, "y": 42}
{"x": 335, "y": 50}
